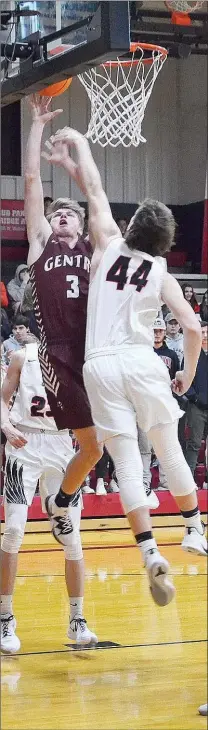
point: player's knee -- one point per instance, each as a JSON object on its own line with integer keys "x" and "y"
{"x": 179, "y": 477}
{"x": 132, "y": 491}
{"x": 73, "y": 551}
{"x": 95, "y": 448}
{"x": 135, "y": 501}
{"x": 92, "y": 449}
{"x": 12, "y": 539}
{"x": 16, "y": 517}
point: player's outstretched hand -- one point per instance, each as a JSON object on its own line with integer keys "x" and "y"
{"x": 70, "y": 136}
{"x": 39, "y": 106}
{"x": 57, "y": 153}
{"x": 181, "y": 383}
{"x": 14, "y": 436}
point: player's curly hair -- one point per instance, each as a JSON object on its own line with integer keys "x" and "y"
{"x": 66, "y": 203}
{"x": 152, "y": 229}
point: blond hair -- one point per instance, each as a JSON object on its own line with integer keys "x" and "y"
{"x": 66, "y": 203}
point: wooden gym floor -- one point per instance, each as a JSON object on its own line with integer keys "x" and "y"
{"x": 149, "y": 671}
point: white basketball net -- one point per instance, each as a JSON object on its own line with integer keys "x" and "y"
{"x": 119, "y": 97}
{"x": 183, "y": 6}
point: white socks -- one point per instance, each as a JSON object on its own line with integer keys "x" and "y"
{"x": 76, "y": 607}
{"x": 147, "y": 545}
{"x": 6, "y": 606}
{"x": 194, "y": 521}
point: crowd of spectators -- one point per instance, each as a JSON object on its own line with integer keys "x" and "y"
{"x": 18, "y": 327}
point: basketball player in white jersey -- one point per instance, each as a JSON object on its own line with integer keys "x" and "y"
{"x": 35, "y": 450}
{"x": 125, "y": 380}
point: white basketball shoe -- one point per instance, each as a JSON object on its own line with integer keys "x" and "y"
{"x": 161, "y": 588}
{"x": 10, "y": 643}
{"x": 61, "y": 523}
{"x": 79, "y": 633}
{"x": 194, "y": 542}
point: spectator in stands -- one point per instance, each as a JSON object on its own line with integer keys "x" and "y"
{"x": 122, "y": 223}
{"x": 47, "y": 203}
{"x": 190, "y": 296}
{"x": 4, "y": 297}
{"x": 16, "y": 286}
{"x": 20, "y": 336}
{"x": 197, "y": 411}
{"x": 169, "y": 357}
{"x": 174, "y": 338}
{"x": 204, "y": 307}
{"x": 172, "y": 362}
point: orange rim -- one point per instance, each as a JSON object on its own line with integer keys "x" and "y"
{"x": 136, "y": 47}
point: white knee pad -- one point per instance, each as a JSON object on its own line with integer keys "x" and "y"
{"x": 129, "y": 471}
{"x": 168, "y": 450}
{"x": 73, "y": 551}
{"x": 15, "y": 521}
{"x": 178, "y": 474}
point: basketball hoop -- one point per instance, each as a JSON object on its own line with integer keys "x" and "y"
{"x": 184, "y": 6}
{"x": 180, "y": 10}
{"x": 119, "y": 92}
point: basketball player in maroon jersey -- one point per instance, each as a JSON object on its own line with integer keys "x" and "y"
{"x": 59, "y": 260}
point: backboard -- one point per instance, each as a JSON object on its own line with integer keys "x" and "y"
{"x": 91, "y": 31}
{"x": 55, "y": 15}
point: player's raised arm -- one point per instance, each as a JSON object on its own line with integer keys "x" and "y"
{"x": 172, "y": 295}
{"x": 38, "y": 228}
{"x": 10, "y": 385}
{"x": 85, "y": 173}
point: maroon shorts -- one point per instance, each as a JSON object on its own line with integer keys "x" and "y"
{"x": 66, "y": 393}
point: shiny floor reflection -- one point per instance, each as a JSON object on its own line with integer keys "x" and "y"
{"x": 149, "y": 670}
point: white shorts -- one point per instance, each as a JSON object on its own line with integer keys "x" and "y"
{"x": 129, "y": 387}
{"x": 44, "y": 458}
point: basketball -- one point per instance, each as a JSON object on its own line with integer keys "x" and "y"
{"x": 60, "y": 86}
{"x": 56, "y": 89}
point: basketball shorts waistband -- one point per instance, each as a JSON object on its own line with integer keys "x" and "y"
{"x": 26, "y": 429}
{"x": 118, "y": 350}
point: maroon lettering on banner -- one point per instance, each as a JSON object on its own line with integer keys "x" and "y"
{"x": 13, "y": 220}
